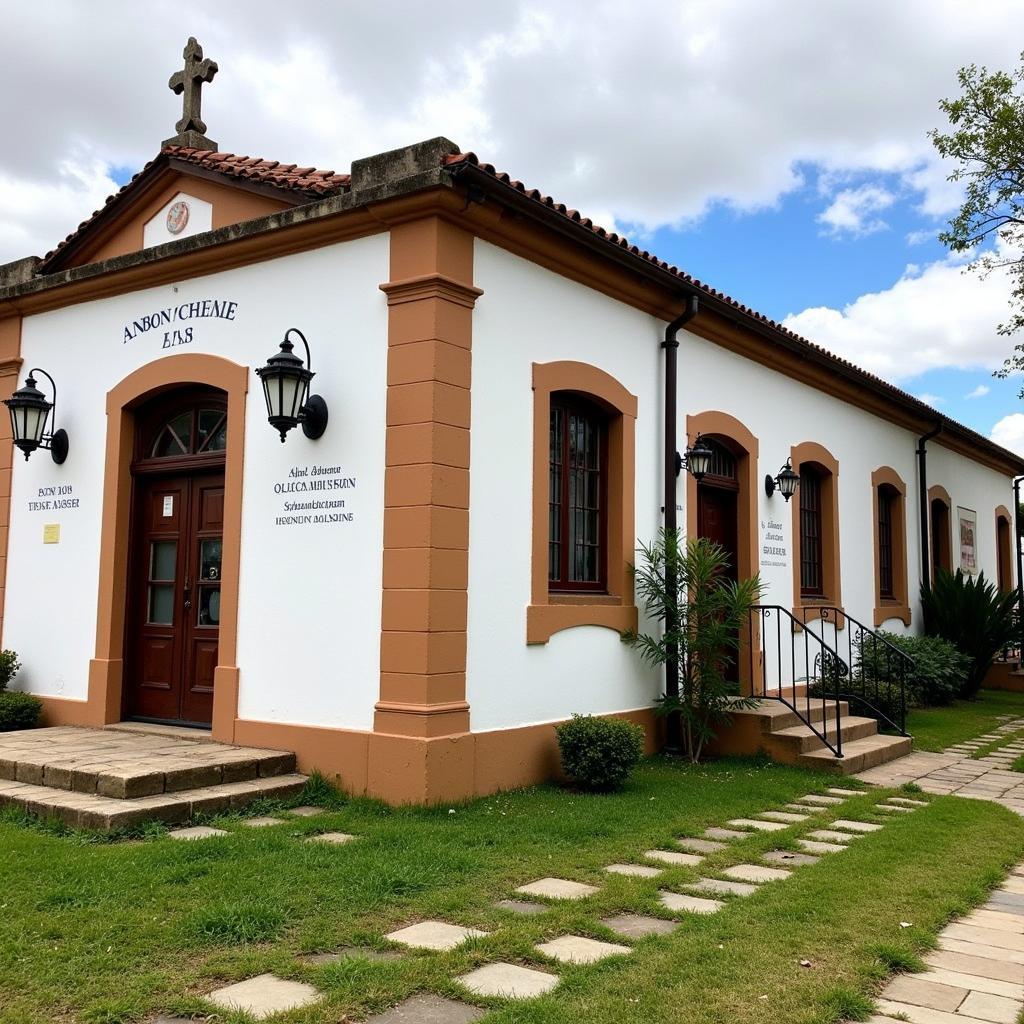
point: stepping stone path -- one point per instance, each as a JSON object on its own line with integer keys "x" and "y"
{"x": 976, "y": 974}
{"x": 755, "y": 873}
{"x": 426, "y": 1009}
{"x": 526, "y": 907}
{"x": 691, "y": 904}
{"x": 811, "y": 846}
{"x": 558, "y": 889}
{"x": 635, "y": 870}
{"x": 827, "y": 835}
{"x": 638, "y": 926}
{"x": 856, "y": 826}
{"x": 821, "y": 801}
{"x": 437, "y": 935}
{"x": 264, "y": 995}
{"x": 757, "y": 826}
{"x": 305, "y": 812}
{"x": 894, "y": 809}
{"x": 676, "y": 859}
{"x": 577, "y": 949}
{"x": 508, "y": 980}
{"x": 839, "y": 791}
{"x": 262, "y": 822}
{"x": 724, "y": 833}
{"x": 337, "y": 838}
{"x": 196, "y": 832}
{"x": 788, "y": 816}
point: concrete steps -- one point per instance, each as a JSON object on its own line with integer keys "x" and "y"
{"x": 860, "y": 754}
{"x": 116, "y": 778}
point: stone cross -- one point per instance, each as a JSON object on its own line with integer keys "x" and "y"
{"x": 189, "y": 81}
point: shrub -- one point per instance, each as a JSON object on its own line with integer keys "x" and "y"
{"x": 599, "y": 753}
{"x": 939, "y": 673}
{"x": 18, "y": 710}
{"x": 972, "y": 614}
{"x": 9, "y": 666}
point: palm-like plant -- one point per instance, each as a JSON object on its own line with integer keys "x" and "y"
{"x": 708, "y": 612}
{"x": 973, "y": 615}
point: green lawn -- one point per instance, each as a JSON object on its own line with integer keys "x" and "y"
{"x": 938, "y": 728}
{"x": 117, "y": 932}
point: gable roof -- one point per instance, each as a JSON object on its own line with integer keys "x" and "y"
{"x": 287, "y": 182}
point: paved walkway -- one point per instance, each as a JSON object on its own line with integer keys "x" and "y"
{"x": 955, "y": 771}
{"x": 977, "y": 972}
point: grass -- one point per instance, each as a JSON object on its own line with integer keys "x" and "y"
{"x": 938, "y": 728}
{"x": 993, "y": 745}
{"x": 112, "y": 933}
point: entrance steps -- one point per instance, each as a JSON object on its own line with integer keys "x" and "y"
{"x": 108, "y": 779}
{"x": 773, "y": 728}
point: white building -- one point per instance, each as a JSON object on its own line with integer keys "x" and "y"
{"x": 405, "y": 601}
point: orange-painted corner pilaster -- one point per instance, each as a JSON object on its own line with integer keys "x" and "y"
{"x": 420, "y": 749}
{"x": 10, "y": 364}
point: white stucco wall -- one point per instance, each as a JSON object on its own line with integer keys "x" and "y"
{"x": 309, "y": 604}
{"x": 528, "y": 314}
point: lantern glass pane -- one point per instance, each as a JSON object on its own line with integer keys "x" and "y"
{"x": 35, "y": 421}
{"x": 291, "y": 397}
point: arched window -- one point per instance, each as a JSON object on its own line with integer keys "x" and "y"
{"x": 189, "y": 425}
{"x": 887, "y": 499}
{"x": 816, "y": 563}
{"x": 941, "y": 548}
{"x": 890, "y": 505}
{"x": 1004, "y": 549}
{"x": 577, "y": 494}
{"x": 812, "y": 570}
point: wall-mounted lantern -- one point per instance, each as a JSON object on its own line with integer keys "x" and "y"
{"x": 286, "y": 388}
{"x": 30, "y": 412}
{"x": 696, "y": 461}
{"x": 787, "y": 481}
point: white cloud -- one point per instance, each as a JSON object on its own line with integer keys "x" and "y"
{"x": 1009, "y": 432}
{"x": 922, "y": 236}
{"x": 930, "y": 399}
{"x": 852, "y": 210}
{"x": 979, "y": 392}
{"x": 935, "y": 316}
{"x": 648, "y": 112}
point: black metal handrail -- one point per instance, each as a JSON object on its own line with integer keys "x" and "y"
{"x": 877, "y": 680}
{"x": 799, "y": 666}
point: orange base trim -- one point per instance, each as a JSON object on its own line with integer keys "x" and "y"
{"x": 1004, "y": 675}
{"x": 885, "y": 612}
{"x": 544, "y": 620}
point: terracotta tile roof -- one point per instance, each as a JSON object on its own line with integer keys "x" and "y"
{"x": 306, "y": 182}
{"x": 904, "y": 398}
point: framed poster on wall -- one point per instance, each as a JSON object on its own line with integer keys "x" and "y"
{"x": 967, "y": 521}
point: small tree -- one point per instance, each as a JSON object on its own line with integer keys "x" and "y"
{"x": 707, "y": 613}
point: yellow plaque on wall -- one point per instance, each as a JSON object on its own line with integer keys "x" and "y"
{"x": 51, "y": 533}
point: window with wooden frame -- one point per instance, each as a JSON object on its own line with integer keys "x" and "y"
{"x": 812, "y": 575}
{"x": 889, "y": 499}
{"x": 1004, "y": 549}
{"x": 577, "y": 496}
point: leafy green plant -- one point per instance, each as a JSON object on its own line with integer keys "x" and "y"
{"x": 708, "y": 611}
{"x": 9, "y": 666}
{"x": 599, "y": 753}
{"x": 937, "y": 677}
{"x": 18, "y": 710}
{"x": 974, "y": 616}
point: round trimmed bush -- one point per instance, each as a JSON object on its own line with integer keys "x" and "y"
{"x": 599, "y": 753}
{"x": 18, "y": 710}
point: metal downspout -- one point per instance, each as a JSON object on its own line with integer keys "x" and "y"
{"x": 673, "y": 729}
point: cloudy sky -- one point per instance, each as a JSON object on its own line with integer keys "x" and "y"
{"x": 777, "y": 150}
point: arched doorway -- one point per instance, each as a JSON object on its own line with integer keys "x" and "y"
{"x": 718, "y": 502}
{"x": 175, "y": 566}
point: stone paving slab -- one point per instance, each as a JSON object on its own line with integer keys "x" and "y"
{"x": 840, "y": 791}
{"x": 428, "y": 1009}
{"x": 974, "y": 983}
{"x": 558, "y": 889}
{"x": 827, "y": 835}
{"x": 893, "y": 809}
{"x": 812, "y": 846}
{"x": 920, "y": 1014}
{"x": 578, "y": 949}
{"x": 856, "y": 826}
{"x": 789, "y": 857}
{"x": 757, "y": 826}
{"x": 986, "y": 1006}
{"x": 701, "y": 845}
{"x": 634, "y": 870}
{"x": 674, "y": 858}
{"x": 334, "y": 838}
{"x": 724, "y": 833}
{"x": 305, "y": 811}
{"x": 436, "y": 935}
{"x": 917, "y": 989}
{"x": 907, "y": 802}
{"x": 690, "y": 904}
{"x": 509, "y": 981}
{"x": 638, "y": 926}
{"x": 821, "y": 801}
{"x": 262, "y": 822}
{"x": 974, "y": 947}
{"x": 977, "y": 966}
{"x": 717, "y": 885}
{"x": 787, "y": 816}
{"x": 755, "y": 873}
{"x": 264, "y": 995}
{"x": 526, "y": 907}
{"x": 196, "y": 832}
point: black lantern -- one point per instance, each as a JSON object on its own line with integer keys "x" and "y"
{"x": 787, "y": 481}
{"x": 30, "y": 412}
{"x": 696, "y": 461}
{"x": 286, "y": 389}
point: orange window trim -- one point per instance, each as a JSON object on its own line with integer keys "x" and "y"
{"x": 897, "y": 606}
{"x": 1004, "y": 551}
{"x": 549, "y": 613}
{"x": 805, "y": 609}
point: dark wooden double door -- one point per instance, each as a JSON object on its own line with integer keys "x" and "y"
{"x": 717, "y": 521}
{"x": 174, "y": 596}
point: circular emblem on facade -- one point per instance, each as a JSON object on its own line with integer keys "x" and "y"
{"x": 177, "y": 217}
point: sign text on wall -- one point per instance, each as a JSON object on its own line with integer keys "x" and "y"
{"x": 773, "y": 544}
{"x": 315, "y": 496}
{"x": 165, "y": 320}
{"x": 54, "y": 498}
